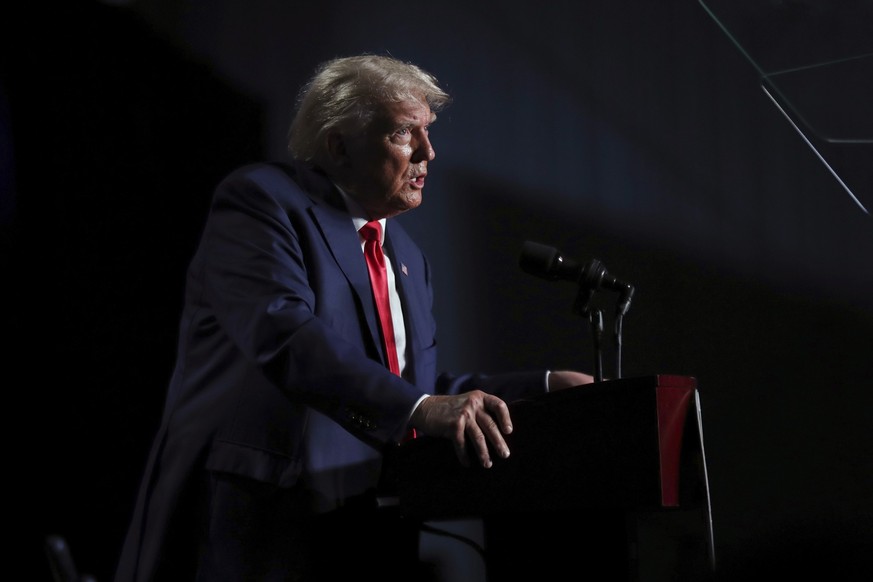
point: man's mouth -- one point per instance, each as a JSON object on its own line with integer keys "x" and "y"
{"x": 417, "y": 180}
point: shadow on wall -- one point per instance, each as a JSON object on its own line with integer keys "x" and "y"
{"x": 783, "y": 378}
{"x": 118, "y": 142}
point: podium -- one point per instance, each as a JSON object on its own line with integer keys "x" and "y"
{"x": 607, "y": 477}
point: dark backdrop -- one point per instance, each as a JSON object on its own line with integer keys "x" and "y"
{"x": 633, "y": 132}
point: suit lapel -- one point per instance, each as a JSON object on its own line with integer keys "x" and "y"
{"x": 411, "y": 293}
{"x": 329, "y": 213}
{"x": 345, "y": 246}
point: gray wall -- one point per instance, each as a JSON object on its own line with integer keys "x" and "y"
{"x": 633, "y": 132}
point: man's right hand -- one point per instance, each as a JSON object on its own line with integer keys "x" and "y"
{"x": 472, "y": 417}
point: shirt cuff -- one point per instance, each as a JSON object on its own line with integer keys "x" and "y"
{"x": 408, "y": 418}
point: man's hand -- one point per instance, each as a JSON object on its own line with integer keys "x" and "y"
{"x": 474, "y": 417}
{"x": 568, "y": 379}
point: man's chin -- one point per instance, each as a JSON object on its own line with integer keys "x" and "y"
{"x": 409, "y": 202}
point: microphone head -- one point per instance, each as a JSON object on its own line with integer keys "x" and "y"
{"x": 546, "y": 262}
{"x": 539, "y": 259}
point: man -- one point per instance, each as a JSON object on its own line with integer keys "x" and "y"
{"x": 286, "y": 392}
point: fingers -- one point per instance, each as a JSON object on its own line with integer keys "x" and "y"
{"x": 475, "y": 422}
{"x": 491, "y": 422}
{"x": 471, "y": 430}
{"x": 500, "y": 413}
{"x": 459, "y": 440}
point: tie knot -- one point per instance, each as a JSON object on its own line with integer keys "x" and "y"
{"x": 372, "y": 231}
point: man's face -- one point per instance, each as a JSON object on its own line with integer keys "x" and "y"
{"x": 386, "y": 164}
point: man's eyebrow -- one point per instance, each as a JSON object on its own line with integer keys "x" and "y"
{"x": 411, "y": 122}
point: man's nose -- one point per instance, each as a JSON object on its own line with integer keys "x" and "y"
{"x": 424, "y": 151}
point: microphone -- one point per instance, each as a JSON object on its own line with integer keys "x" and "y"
{"x": 548, "y": 263}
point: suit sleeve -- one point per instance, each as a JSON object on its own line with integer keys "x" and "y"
{"x": 509, "y": 386}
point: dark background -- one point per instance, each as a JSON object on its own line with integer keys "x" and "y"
{"x": 634, "y": 132}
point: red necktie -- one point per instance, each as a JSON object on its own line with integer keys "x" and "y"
{"x": 372, "y": 233}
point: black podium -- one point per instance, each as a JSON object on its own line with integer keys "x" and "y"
{"x": 606, "y": 480}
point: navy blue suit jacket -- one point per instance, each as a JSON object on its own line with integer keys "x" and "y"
{"x": 280, "y": 374}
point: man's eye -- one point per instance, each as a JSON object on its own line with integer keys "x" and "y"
{"x": 402, "y": 135}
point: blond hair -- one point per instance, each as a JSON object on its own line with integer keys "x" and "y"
{"x": 345, "y": 93}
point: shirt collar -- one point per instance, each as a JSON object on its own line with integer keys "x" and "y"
{"x": 357, "y": 213}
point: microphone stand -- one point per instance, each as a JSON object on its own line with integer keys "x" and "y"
{"x": 618, "y": 320}
{"x": 595, "y": 319}
{"x": 621, "y": 308}
{"x": 590, "y": 282}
